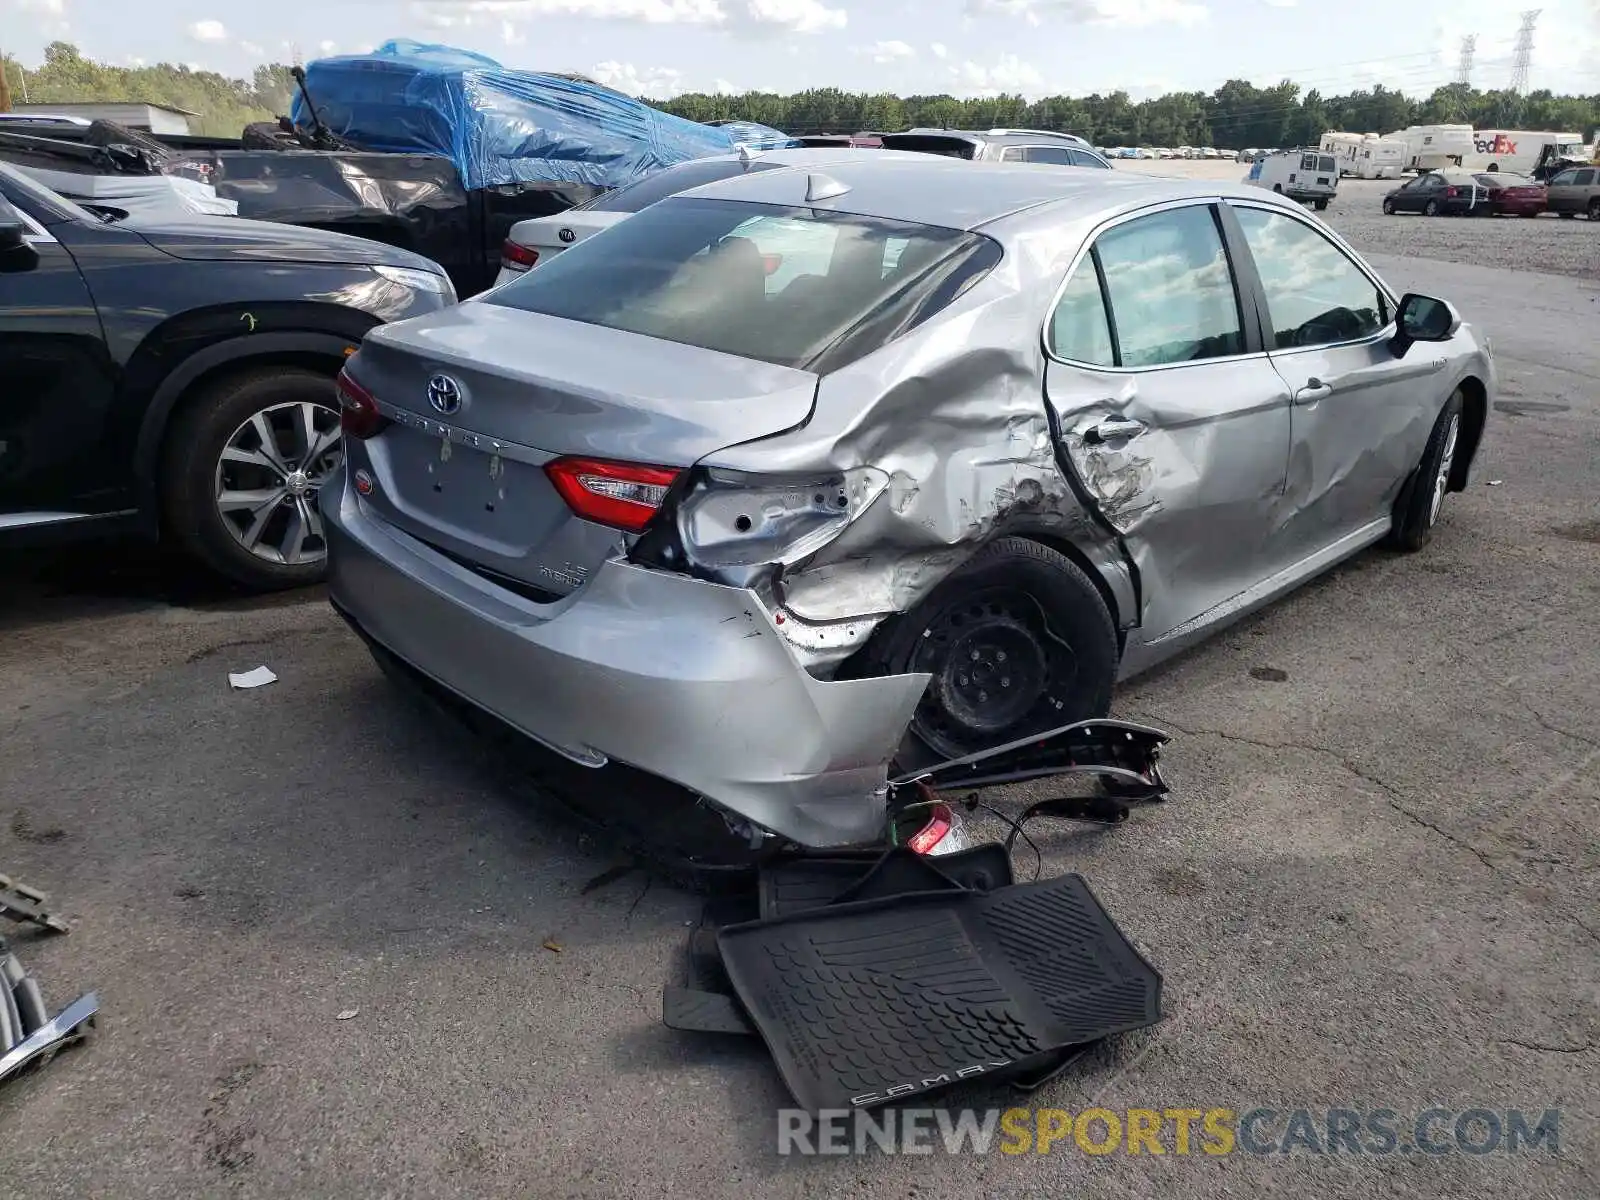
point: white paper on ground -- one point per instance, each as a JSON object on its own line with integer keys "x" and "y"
{"x": 251, "y": 679}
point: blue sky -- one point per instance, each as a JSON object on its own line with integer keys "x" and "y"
{"x": 968, "y": 47}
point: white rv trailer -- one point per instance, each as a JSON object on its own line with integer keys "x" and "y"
{"x": 1344, "y": 148}
{"x": 1381, "y": 158}
{"x": 1518, "y": 149}
{"x": 1434, "y": 147}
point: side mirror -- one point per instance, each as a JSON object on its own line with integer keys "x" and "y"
{"x": 16, "y": 253}
{"x": 1423, "y": 319}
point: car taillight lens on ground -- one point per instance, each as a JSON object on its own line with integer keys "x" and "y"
{"x": 517, "y": 257}
{"x": 358, "y": 411}
{"x": 940, "y": 822}
{"x": 622, "y": 495}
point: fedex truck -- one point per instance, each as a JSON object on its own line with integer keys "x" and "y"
{"x": 1518, "y": 150}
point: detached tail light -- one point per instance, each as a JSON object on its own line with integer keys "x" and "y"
{"x": 941, "y": 820}
{"x": 514, "y": 256}
{"x": 358, "y": 410}
{"x": 622, "y": 495}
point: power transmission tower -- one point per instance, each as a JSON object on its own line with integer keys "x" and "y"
{"x": 1524, "y": 51}
{"x": 1469, "y": 47}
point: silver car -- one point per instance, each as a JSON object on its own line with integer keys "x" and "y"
{"x": 1013, "y": 433}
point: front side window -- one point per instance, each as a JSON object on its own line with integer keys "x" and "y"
{"x": 1170, "y": 289}
{"x": 1315, "y": 294}
{"x": 791, "y": 286}
{"x": 1565, "y": 179}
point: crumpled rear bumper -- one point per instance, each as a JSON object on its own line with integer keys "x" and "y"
{"x": 685, "y": 679}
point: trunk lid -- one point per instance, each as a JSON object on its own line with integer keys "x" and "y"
{"x": 470, "y": 481}
{"x": 551, "y": 235}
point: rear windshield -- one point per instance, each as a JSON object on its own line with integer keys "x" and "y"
{"x": 1325, "y": 164}
{"x": 932, "y": 143}
{"x": 642, "y": 193}
{"x": 797, "y": 287}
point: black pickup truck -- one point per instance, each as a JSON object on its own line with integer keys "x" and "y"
{"x": 416, "y": 202}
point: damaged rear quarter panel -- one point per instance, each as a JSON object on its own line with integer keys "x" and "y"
{"x": 954, "y": 414}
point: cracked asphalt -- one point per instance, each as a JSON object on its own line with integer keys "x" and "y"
{"x": 1377, "y": 884}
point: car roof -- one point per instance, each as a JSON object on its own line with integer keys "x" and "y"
{"x": 929, "y": 189}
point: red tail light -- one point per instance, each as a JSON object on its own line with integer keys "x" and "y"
{"x": 358, "y": 411}
{"x": 940, "y": 822}
{"x": 622, "y": 495}
{"x": 1450, "y": 193}
{"x": 517, "y": 256}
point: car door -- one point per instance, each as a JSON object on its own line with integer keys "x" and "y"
{"x": 1559, "y": 192}
{"x": 55, "y": 384}
{"x": 1360, "y": 416}
{"x": 1172, "y": 421}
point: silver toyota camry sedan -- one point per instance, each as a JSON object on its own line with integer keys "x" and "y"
{"x": 812, "y": 471}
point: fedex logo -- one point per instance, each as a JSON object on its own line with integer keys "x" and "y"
{"x": 1498, "y": 144}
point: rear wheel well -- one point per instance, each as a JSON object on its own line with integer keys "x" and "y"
{"x": 1474, "y": 416}
{"x": 863, "y": 661}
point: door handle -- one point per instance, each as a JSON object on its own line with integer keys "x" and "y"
{"x": 1111, "y": 429}
{"x": 1313, "y": 391}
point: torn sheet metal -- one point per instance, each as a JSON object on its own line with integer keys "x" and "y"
{"x": 20, "y": 902}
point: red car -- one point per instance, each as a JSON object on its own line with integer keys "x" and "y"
{"x": 1513, "y": 195}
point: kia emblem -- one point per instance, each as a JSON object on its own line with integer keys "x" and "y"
{"x": 567, "y": 235}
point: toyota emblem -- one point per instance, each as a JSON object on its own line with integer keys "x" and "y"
{"x": 444, "y": 394}
{"x": 566, "y": 235}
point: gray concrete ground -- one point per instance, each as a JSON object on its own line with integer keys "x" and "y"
{"x": 1377, "y": 884}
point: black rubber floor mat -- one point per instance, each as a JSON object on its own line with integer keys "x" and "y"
{"x": 703, "y": 1012}
{"x": 865, "y": 1003}
{"x": 812, "y": 882}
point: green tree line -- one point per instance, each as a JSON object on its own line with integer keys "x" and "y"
{"x": 1236, "y": 115}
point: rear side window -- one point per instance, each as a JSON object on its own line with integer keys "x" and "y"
{"x": 1170, "y": 290}
{"x": 1055, "y": 155}
{"x": 1584, "y": 179}
{"x": 793, "y": 286}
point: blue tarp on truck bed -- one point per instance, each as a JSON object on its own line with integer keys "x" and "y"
{"x": 500, "y": 126}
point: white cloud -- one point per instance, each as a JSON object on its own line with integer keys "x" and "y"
{"x": 208, "y": 31}
{"x": 794, "y": 16}
{"x": 754, "y": 16}
{"x": 1126, "y": 13}
{"x": 723, "y": 88}
{"x": 50, "y": 8}
{"x": 888, "y": 52}
{"x": 327, "y": 49}
{"x": 1008, "y": 73}
{"x": 135, "y": 61}
{"x": 253, "y": 50}
{"x": 657, "y": 83}
{"x": 1283, "y": 3}
{"x": 940, "y": 50}
{"x": 511, "y": 35}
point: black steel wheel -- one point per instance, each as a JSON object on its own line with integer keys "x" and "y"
{"x": 1018, "y": 640}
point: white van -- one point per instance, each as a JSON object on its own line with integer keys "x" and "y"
{"x": 1381, "y": 158}
{"x": 1309, "y": 176}
{"x": 1517, "y": 150}
{"x": 1435, "y": 147}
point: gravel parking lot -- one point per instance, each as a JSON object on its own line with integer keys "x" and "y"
{"x": 1376, "y": 886}
{"x": 1545, "y": 244}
